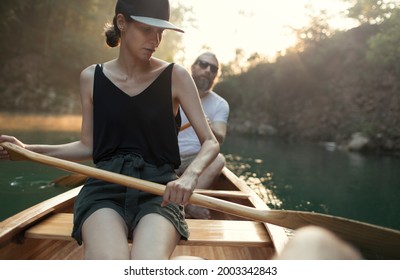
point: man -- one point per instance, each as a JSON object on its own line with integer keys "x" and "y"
{"x": 204, "y": 72}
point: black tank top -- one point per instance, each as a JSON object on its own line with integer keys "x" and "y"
{"x": 143, "y": 124}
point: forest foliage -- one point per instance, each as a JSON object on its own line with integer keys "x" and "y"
{"x": 47, "y": 43}
{"x": 327, "y": 87}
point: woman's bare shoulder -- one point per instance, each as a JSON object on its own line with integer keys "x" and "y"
{"x": 88, "y": 72}
{"x": 180, "y": 73}
{"x": 183, "y": 85}
{"x": 86, "y": 80}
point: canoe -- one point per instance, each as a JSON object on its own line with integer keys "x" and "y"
{"x": 42, "y": 232}
{"x": 259, "y": 233}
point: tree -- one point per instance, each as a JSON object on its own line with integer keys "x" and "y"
{"x": 316, "y": 31}
{"x": 384, "y": 51}
{"x": 46, "y": 43}
{"x": 371, "y": 11}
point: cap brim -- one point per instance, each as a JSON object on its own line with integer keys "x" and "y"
{"x": 157, "y": 23}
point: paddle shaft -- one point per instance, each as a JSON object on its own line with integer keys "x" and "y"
{"x": 75, "y": 179}
{"x": 365, "y": 236}
{"x": 183, "y": 127}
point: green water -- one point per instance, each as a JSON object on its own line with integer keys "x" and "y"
{"x": 298, "y": 177}
{"x": 313, "y": 177}
{"x": 23, "y": 184}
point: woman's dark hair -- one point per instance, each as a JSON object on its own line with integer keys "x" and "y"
{"x": 113, "y": 34}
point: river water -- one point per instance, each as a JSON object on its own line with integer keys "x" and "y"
{"x": 320, "y": 178}
{"x": 288, "y": 176}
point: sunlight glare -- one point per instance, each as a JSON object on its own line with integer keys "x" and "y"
{"x": 255, "y": 26}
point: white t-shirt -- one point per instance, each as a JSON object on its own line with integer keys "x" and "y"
{"x": 216, "y": 109}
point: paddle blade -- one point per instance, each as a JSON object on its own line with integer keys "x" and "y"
{"x": 70, "y": 181}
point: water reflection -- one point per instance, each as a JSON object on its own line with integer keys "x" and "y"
{"x": 262, "y": 185}
{"x": 356, "y": 159}
{"x": 34, "y": 122}
{"x": 23, "y": 184}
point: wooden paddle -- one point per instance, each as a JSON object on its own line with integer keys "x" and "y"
{"x": 74, "y": 180}
{"x": 183, "y": 127}
{"x": 371, "y": 239}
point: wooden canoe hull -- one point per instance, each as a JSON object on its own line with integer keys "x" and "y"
{"x": 39, "y": 249}
{"x": 15, "y": 246}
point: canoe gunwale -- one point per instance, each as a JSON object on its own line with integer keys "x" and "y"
{"x": 12, "y": 229}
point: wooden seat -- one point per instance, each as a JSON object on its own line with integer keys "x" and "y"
{"x": 202, "y": 232}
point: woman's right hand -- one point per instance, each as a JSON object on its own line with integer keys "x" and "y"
{"x": 6, "y": 138}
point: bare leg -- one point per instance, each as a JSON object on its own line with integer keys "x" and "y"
{"x": 315, "y": 243}
{"x": 104, "y": 236}
{"x": 205, "y": 181}
{"x": 154, "y": 238}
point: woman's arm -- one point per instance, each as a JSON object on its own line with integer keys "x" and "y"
{"x": 185, "y": 93}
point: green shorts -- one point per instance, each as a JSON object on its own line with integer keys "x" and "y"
{"x": 131, "y": 204}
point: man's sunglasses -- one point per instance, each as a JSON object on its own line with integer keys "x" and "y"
{"x": 204, "y": 65}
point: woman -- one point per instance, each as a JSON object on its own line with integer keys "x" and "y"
{"x": 130, "y": 126}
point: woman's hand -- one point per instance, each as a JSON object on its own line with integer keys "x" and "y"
{"x": 6, "y": 138}
{"x": 179, "y": 191}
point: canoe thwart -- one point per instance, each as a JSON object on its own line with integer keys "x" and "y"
{"x": 202, "y": 232}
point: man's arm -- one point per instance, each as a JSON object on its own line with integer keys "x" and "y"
{"x": 219, "y": 129}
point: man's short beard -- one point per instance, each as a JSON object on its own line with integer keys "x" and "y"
{"x": 203, "y": 83}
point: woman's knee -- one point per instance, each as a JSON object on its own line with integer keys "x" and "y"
{"x": 155, "y": 237}
{"x": 221, "y": 160}
{"x": 104, "y": 236}
{"x": 217, "y": 165}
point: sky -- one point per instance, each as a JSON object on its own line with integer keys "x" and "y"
{"x": 251, "y": 25}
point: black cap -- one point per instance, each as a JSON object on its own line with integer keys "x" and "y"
{"x": 151, "y": 12}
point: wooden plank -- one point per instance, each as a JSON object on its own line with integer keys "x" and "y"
{"x": 227, "y": 233}
{"x": 202, "y": 232}
{"x": 277, "y": 234}
{"x": 58, "y": 227}
{"x": 223, "y": 193}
